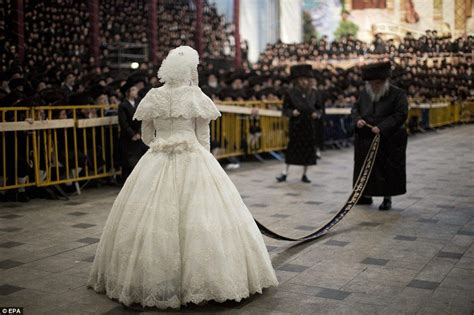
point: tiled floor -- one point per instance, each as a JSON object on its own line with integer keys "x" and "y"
{"x": 415, "y": 259}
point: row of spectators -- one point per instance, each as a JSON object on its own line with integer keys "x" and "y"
{"x": 57, "y": 35}
{"x": 427, "y": 67}
{"x": 424, "y": 79}
{"x": 64, "y": 66}
{"x": 349, "y": 47}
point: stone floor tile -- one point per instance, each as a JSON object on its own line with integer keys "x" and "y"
{"x": 422, "y": 284}
{"x": 7, "y": 264}
{"x": 333, "y": 294}
{"x": 418, "y": 258}
{"x": 293, "y": 268}
{"x": 449, "y": 255}
{"x": 375, "y": 261}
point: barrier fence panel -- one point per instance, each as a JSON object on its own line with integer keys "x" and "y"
{"x": 442, "y": 113}
{"x": 50, "y": 145}
{"x": 243, "y": 130}
{"x": 466, "y": 113}
{"x": 16, "y": 127}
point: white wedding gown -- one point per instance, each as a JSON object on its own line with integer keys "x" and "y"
{"x": 179, "y": 231}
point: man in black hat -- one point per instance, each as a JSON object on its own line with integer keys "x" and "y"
{"x": 303, "y": 105}
{"x": 381, "y": 108}
{"x": 69, "y": 80}
{"x": 211, "y": 88}
{"x": 130, "y": 138}
{"x": 235, "y": 90}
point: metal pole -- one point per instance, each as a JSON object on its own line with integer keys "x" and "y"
{"x": 20, "y": 29}
{"x": 153, "y": 32}
{"x": 198, "y": 34}
{"x": 238, "y": 52}
{"x": 94, "y": 25}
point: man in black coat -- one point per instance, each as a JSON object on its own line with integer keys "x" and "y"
{"x": 68, "y": 82}
{"x": 381, "y": 108}
{"x": 130, "y": 138}
{"x": 303, "y": 105}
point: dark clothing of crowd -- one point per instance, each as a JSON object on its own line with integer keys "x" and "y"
{"x": 429, "y": 67}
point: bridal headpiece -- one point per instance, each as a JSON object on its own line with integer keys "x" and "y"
{"x": 180, "y": 66}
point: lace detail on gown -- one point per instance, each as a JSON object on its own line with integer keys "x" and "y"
{"x": 166, "y": 297}
{"x": 188, "y": 102}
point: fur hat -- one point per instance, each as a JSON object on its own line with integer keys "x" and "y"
{"x": 180, "y": 66}
{"x": 299, "y": 71}
{"x": 376, "y": 71}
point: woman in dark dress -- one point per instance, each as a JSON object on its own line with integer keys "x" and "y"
{"x": 303, "y": 106}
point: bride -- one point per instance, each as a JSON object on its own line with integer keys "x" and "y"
{"x": 178, "y": 231}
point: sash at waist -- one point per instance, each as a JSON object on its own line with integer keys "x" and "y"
{"x": 174, "y": 144}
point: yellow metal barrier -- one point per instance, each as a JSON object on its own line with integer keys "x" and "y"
{"x": 440, "y": 115}
{"x": 244, "y": 129}
{"x": 456, "y": 112}
{"x": 15, "y": 146}
{"x": 51, "y": 145}
{"x": 44, "y": 146}
{"x": 466, "y": 111}
{"x": 444, "y": 112}
{"x": 66, "y": 144}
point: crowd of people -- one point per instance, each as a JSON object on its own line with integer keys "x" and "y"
{"x": 59, "y": 67}
{"x": 122, "y": 23}
{"x": 348, "y": 47}
{"x": 428, "y": 67}
{"x": 57, "y": 42}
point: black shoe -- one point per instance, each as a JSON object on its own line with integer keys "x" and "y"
{"x": 385, "y": 205}
{"x": 281, "y": 178}
{"x": 365, "y": 201}
{"x": 22, "y": 197}
{"x": 305, "y": 179}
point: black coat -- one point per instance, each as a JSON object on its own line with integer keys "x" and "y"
{"x": 388, "y": 176}
{"x": 131, "y": 151}
{"x": 302, "y": 129}
{"x": 319, "y": 123}
{"x": 128, "y": 126}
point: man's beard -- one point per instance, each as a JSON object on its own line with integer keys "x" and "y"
{"x": 376, "y": 96}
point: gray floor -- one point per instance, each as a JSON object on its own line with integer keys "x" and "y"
{"x": 415, "y": 259}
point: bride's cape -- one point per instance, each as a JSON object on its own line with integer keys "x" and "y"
{"x": 172, "y": 102}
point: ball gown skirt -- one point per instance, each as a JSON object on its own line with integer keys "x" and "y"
{"x": 179, "y": 232}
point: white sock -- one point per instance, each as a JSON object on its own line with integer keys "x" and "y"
{"x": 22, "y": 180}
{"x": 286, "y": 169}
